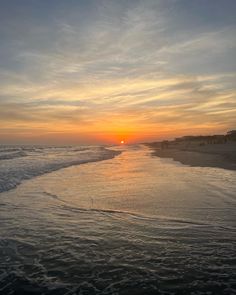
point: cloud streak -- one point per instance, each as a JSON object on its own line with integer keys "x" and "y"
{"x": 115, "y": 67}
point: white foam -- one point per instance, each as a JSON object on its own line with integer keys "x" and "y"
{"x": 19, "y": 163}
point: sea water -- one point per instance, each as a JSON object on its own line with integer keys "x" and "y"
{"x": 95, "y": 220}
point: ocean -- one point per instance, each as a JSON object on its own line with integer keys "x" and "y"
{"x": 114, "y": 220}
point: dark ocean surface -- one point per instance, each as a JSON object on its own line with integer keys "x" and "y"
{"x": 121, "y": 223}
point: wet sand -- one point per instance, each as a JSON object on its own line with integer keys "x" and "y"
{"x": 130, "y": 225}
{"x": 211, "y": 155}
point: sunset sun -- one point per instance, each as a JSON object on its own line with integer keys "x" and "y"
{"x": 117, "y": 147}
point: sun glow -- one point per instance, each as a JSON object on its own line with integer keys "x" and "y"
{"x": 122, "y": 142}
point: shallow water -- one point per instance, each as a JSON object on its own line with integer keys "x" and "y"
{"x": 133, "y": 224}
{"x": 18, "y": 163}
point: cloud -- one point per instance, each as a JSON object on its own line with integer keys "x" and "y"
{"x": 116, "y": 64}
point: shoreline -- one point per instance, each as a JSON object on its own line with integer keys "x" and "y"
{"x": 212, "y": 155}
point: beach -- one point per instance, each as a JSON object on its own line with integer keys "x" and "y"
{"x": 113, "y": 221}
{"x": 209, "y": 155}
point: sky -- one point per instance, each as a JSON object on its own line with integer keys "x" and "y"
{"x": 102, "y": 71}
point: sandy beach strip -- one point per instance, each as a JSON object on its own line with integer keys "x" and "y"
{"x": 212, "y": 155}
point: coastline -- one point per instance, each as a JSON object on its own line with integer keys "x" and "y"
{"x": 211, "y": 155}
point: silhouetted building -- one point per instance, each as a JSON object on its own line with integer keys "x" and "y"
{"x": 231, "y": 135}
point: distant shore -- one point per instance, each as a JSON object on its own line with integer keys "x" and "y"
{"x": 222, "y": 155}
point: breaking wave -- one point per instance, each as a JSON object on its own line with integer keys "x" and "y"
{"x": 24, "y": 162}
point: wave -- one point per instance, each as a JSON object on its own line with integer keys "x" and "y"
{"x": 28, "y": 162}
{"x": 162, "y": 221}
{"x": 8, "y": 156}
{"x": 137, "y": 216}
